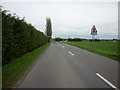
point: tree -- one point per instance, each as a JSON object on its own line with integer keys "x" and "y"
{"x": 18, "y": 37}
{"x": 58, "y": 39}
{"x": 74, "y": 39}
{"x": 48, "y": 28}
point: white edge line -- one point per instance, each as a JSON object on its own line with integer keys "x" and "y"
{"x": 113, "y": 86}
{"x": 71, "y": 53}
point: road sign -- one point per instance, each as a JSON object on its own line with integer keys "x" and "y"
{"x": 93, "y": 30}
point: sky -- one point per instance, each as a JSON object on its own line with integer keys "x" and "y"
{"x": 70, "y": 18}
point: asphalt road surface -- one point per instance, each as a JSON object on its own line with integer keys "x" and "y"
{"x": 66, "y": 66}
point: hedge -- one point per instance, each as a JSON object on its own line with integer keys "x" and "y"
{"x": 18, "y": 37}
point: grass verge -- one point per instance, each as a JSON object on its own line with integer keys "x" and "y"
{"x": 105, "y": 48}
{"x": 13, "y": 71}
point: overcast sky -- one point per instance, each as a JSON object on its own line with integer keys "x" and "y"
{"x": 70, "y": 18}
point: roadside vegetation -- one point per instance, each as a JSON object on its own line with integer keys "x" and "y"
{"x": 105, "y": 48}
{"x": 13, "y": 71}
{"x": 48, "y": 31}
{"x": 18, "y": 37}
{"x": 22, "y": 44}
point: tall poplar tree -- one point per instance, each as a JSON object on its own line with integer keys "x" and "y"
{"x": 49, "y": 28}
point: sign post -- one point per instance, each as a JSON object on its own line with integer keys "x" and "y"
{"x": 93, "y": 33}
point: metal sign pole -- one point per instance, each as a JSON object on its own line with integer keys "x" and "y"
{"x": 93, "y": 33}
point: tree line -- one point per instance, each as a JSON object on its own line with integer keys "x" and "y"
{"x": 81, "y": 39}
{"x": 18, "y": 37}
{"x": 69, "y": 39}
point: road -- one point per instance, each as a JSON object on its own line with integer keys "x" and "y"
{"x": 66, "y": 66}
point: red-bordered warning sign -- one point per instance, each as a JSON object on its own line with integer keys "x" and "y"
{"x": 93, "y": 30}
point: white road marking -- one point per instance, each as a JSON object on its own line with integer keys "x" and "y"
{"x": 71, "y": 53}
{"x": 109, "y": 83}
{"x": 63, "y": 46}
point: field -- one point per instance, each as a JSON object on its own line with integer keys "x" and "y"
{"x": 13, "y": 71}
{"x": 105, "y": 48}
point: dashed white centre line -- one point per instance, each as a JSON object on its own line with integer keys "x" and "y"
{"x": 109, "y": 83}
{"x": 71, "y": 53}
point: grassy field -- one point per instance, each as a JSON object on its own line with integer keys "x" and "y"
{"x": 105, "y": 48}
{"x": 15, "y": 70}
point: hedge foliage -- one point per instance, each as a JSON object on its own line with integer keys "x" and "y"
{"x": 18, "y": 37}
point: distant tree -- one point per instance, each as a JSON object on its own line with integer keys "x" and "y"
{"x": 96, "y": 40}
{"x": 69, "y": 39}
{"x": 77, "y": 39}
{"x": 74, "y": 39}
{"x": 49, "y": 28}
{"x": 58, "y": 39}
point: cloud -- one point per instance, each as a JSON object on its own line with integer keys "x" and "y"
{"x": 70, "y": 19}
{"x": 60, "y": 0}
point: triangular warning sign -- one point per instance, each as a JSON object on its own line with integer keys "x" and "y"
{"x": 93, "y": 30}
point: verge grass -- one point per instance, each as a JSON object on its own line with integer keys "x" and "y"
{"x": 13, "y": 71}
{"x": 105, "y": 48}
